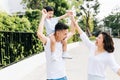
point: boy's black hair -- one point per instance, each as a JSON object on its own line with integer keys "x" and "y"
{"x": 48, "y": 8}
{"x": 60, "y": 26}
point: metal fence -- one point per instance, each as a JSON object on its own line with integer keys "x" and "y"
{"x": 15, "y": 46}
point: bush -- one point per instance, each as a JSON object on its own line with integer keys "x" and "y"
{"x": 17, "y": 49}
{"x": 14, "y": 23}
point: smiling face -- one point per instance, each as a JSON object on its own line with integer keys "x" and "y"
{"x": 61, "y": 34}
{"x": 61, "y": 31}
{"x": 99, "y": 41}
{"x": 50, "y": 14}
{"x": 105, "y": 41}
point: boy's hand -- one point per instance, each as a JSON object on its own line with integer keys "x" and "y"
{"x": 44, "y": 12}
{"x": 69, "y": 13}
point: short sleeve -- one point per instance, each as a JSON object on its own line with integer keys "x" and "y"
{"x": 55, "y": 20}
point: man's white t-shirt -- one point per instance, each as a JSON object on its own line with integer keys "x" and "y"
{"x": 55, "y": 69}
{"x": 50, "y": 25}
{"x": 97, "y": 64}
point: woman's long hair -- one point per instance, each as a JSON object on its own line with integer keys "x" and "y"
{"x": 108, "y": 42}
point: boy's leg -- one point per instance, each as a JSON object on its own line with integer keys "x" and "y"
{"x": 65, "y": 54}
{"x": 52, "y": 46}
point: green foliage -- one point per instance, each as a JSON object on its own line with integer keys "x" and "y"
{"x": 13, "y": 47}
{"x": 60, "y": 6}
{"x": 92, "y": 38}
{"x": 113, "y": 21}
{"x": 35, "y": 4}
{"x": 14, "y": 23}
{"x": 91, "y": 24}
{"x": 33, "y": 16}
{"x": 88, "y": 12}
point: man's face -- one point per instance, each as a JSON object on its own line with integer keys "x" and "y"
{"x": 50, "y": 14}
{"x": 62, "y": 34}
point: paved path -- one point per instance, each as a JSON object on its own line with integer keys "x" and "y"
{"x": 77, "y": 67}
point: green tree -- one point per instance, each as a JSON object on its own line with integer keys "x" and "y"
{"x": 60, "y": 6}
{"x": 14, "y": 23}
{"x": 113, "y": 21}
{"x": 34, "y": 4}
{"x": 89, "y": 10}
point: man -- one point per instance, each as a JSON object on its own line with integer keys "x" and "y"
{"x": 55, "y": 68}
{"x": 50, "y": 23}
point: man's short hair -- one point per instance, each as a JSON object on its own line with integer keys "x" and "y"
{"x": 60, "y": 26}
{"x": 48, "y": 8}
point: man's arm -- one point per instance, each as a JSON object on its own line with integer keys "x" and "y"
{"x": 40, "y": 34}
{"x": 118, "y": 72}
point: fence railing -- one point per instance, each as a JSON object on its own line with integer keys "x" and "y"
{"x": 15, "y": 46}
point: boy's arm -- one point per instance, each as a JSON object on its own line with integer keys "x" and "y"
{"x": 40, "y": 34}
{"x": 118, "y": 72}
{"x": 63, "y": 16}
{"x": 68, "y": 13}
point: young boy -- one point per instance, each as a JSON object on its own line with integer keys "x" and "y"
{"x": 50, "y": 23}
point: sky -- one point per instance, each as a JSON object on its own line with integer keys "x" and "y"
{"x": 105, "y": 7}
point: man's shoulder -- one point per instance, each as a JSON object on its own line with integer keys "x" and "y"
{"x": 47, "y": 41}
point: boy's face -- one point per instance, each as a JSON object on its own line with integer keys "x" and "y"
{"x": 50, "y": 14}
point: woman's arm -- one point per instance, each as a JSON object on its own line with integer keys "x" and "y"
{"x": 83, "y": 36}
{"x": 72, "y": 30}
{"x": 113, "y": 64}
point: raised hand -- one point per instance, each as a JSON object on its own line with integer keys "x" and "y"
{"x": 44, "y": 12}
{"x": 69, "y": 13}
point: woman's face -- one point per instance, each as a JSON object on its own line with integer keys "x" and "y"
{"x": 99, "y": 40}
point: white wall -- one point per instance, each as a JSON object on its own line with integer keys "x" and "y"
{"x": 11, "y": 6}
{"x": 4, "y": 5}
{"x": 15, "y": 6}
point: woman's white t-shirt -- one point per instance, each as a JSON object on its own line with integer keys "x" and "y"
{"x": 97, "y": 64}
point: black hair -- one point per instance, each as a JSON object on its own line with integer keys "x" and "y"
{"x": 48, "y": 8}
{"x": 60, "y": 26}
{"x": 108, "y": 42}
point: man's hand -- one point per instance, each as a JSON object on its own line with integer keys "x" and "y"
{"x": 40, "y": 34}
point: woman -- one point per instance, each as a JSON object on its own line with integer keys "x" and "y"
{"x": 101, "y": 55}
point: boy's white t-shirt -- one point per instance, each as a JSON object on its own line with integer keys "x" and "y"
{"x": 55, "y": 69}
{"x": 50, "y": 25}
{"x": 97, "y": 64}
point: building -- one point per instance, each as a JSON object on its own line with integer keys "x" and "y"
{"x": 11, "y": 6}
